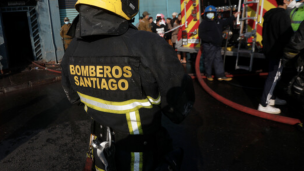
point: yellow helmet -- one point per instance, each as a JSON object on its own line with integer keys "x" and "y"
{"x": 124, "y": 8}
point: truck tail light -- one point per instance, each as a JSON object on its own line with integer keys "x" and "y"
{"x": 185, "y": 37}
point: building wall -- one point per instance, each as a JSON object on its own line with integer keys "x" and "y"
{"x": 67, "y": 9}
{"x": 3, "y": 52}
{"x": 49, "y": 27}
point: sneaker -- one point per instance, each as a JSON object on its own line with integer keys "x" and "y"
{"x": 277, "y": 101}
{"x": 210, "y": 78}
{"x": 224, "y": 79}
{"x": 269, "y": 109}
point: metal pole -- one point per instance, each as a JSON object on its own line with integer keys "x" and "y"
{"x": 261, "y": 12}
{"x": 225, "y": 50}
{"x": 51, "y": 24}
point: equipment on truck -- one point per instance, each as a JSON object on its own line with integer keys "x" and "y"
{"x": 249, "y": 26}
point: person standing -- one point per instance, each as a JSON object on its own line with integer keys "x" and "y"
{"x": 63, "y": 33}
{"x": 173, "y": 18}
{"x": 178, "y": 35}
{"x": 210, "y": 33}
{"x": 126, "y": 79}
{"x": 293, "y": 5}
{"x": 152, "y": 24}
{"x": 277, "y": 32}
{"x": 296, "y": 14}
{"x": 169, "y": 34}
{"x": 145, "y": 25}
{"x": 158, "y": 28}
{"x": 162, "y": 21}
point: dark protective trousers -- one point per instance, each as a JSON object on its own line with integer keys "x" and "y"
{"x": 213, "y": 58}
{"x": 275, "y": 72}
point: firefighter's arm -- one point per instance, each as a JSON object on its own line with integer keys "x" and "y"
{"x": 297, "y": 40}
{"x": 175, "y": 86}
{"x": 66, "y": 84}
{"x": 296, "y": 43}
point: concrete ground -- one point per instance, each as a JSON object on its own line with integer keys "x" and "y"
{"x": 40, "y": 130}
{"x": 25, "y": 77}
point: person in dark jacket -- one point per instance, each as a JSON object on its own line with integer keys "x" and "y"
{"x": 210, "y": 33}
{"x": 159, "y": 28}
{"x": 277, "y": 32}
{"x": 169, "y": 34}
{"x": 295, "y": 49}
{"x": 126, "y": 79}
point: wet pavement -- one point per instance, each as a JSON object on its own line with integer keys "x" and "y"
{"x": 40, "y": 130}
{"x": 26, "y": 77}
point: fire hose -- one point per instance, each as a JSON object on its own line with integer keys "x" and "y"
{"x": 276, "y": 118}
{"x": 45, "y": 68}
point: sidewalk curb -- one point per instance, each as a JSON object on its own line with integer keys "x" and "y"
{"x": 29, "y": 84}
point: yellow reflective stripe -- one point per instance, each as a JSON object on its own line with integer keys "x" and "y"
{"x": 155, "y": 101}
{"x": 152, "y": 100}
{"x": 138, "y": 122}
{"x": 136, "y": 161}
{"x": 98, "y": 169}
{"x": 134, "y": 123}
{"x": 86, "y": 108}
{"x": 129, "y": 123}
{"x": 118, "y": 107}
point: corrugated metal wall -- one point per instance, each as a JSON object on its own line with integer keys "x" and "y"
{"x": 67, "y": 9}
{"x": 166, "y": 7}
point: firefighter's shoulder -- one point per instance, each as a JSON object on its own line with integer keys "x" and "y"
{"x": 146, "y": 38}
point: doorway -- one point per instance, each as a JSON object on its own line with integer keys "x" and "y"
{"x": 18, "y": 38}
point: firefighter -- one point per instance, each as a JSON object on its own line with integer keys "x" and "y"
{"x": 63, "y": 33}
{"x": 210, "y": 32}
{"x": 295, "y": 50}
{"x": 126, "y": 79}
{"x": 145, "y": 25}
{"x": 297, "y": 15}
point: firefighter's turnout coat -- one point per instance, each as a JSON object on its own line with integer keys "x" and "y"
{"x": 125, "y": 78}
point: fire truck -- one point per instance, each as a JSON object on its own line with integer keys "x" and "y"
{"x": 245, "y": 36}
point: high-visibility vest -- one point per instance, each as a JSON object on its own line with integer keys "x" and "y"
{"x": 297, "y": 16}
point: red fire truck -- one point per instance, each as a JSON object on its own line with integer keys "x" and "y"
{"x": 248, "y": 27}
